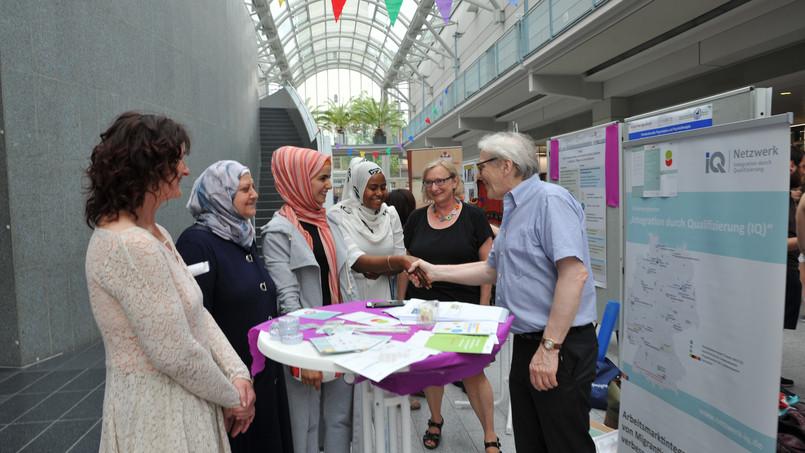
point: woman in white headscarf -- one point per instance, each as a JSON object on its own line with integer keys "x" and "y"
{"x": 237, "y": 290}
{"x": 369, "y": 226}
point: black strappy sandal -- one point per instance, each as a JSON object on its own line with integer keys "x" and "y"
{"x": 495, "y": 444}
{"x": 433, "y": 437}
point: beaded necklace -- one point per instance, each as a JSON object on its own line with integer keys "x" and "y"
{"x": 449, "y": 216}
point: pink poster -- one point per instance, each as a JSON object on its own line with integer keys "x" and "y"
{"x": 612, "y": 165}
{"x": 554, "y": 157}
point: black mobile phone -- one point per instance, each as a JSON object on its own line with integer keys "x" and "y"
{"x": 385, "y": 303}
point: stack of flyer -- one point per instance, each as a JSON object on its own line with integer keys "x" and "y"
{"x": 460, "y": 327}
{"x": 450, "y": 311}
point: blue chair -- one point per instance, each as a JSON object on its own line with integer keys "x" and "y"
{"x": 607, "y": 326}
{"x": 606, "y": 370}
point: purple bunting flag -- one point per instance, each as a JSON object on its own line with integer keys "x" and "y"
{"x": 444, "y": 9}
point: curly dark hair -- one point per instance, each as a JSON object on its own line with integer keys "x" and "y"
{"x": 135, "y": 156}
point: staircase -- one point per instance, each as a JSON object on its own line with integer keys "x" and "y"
{"x": 276, "y": 130}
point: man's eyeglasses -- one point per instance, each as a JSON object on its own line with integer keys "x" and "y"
{"x": 437, "y": 182}
{"x": 481, "y": 164}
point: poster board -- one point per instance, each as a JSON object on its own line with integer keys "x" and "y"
{"x": 418, "y": 158}
{"x": 587, "y": 164}
{"x": 470, "y": 177}
{"x": 696, "y": 252}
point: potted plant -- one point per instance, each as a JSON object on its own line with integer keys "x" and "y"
{"x": 337, "y": 118}
{"x": 380, "y": 115}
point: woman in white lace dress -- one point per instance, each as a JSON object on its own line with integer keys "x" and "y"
{"x": 169, "y": 368}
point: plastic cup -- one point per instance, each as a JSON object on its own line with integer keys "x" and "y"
{"x": 426, "y": 314}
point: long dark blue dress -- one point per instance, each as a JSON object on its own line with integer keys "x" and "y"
{"x": 240, "y": 294}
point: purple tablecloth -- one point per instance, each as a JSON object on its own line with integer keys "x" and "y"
{"x": 439, "y": 369}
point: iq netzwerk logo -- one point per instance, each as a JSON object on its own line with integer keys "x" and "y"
{"x": 714, "y": 163}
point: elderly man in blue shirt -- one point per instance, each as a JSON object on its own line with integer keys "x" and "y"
{"x": 541, "y": 263}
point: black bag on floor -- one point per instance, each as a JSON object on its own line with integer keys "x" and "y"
{"x": 791, "y": 431}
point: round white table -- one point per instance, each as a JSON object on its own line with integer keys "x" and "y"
{"x": 373, "y": 399}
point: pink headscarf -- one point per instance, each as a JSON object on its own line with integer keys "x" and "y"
{"x": 293, "y": 169}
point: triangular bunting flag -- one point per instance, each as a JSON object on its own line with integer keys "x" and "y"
{"x": 281, "y": 2}
{"x": 440, "y": 103}
{"x": 374, "y": 153}
{"x": 411, "y": 137}
{"x": 349, "y": 151}
{"x": 388, "y": 151}
{"x": 399, "y": 145}
{"x": 445, "y": 90}
{"x": 435, "y": 112}
{"x": 338, "y": 6}
{"x": 393, "y": 8}
{"x": 427, "y": 120}
{"x": 363, "y": 153}
{"x": 514, "y": 2}
{"x": 337, "y": 145}
{"x": 444, "y": 9}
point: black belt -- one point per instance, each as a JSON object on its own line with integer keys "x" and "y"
{"x": 537, "y": 336}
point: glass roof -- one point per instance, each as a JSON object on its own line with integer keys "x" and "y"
{"x": 301, "y": 38}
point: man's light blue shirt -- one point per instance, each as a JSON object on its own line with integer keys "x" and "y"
{"x": 542, "y": 223}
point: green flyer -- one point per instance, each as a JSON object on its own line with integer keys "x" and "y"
{"x": 472, "y": 344}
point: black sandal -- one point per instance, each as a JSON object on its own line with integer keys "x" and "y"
{"x": 433, "y": 437}
{"x": 495, "y": 444}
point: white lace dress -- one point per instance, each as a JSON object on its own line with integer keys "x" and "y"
{"x": 169, "y": 368}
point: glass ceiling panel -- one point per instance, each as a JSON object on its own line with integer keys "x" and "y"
{"x": 284, "y": 28}
{"x": 318, "y": 29}
{"x": 362, "y": 40}
{"x": 361, "y": 29}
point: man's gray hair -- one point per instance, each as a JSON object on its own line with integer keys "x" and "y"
{"x": 517, "y": 147}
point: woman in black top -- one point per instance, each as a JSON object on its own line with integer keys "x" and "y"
{"x": 448, "y": 231}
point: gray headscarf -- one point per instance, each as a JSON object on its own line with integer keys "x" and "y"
{"x": 212, "y": 202}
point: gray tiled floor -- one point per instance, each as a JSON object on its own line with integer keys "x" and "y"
{"x": 53, "y": 405}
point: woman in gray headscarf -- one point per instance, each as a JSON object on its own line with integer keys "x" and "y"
{"x": 237, "y": 290}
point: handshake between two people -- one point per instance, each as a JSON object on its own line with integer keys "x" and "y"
{"x": 375, "y": 267}
{"x": 420, "y": 273}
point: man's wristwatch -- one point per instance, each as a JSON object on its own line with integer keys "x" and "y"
{"x": 550, "y": 345}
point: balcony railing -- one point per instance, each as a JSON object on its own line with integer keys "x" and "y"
{"x": 543, "y": 23}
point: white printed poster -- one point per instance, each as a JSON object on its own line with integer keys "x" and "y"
{"x": 582, "y": 172}
{"x": 704, "y": 292}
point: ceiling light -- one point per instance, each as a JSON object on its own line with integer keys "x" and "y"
{"x": 785, "y": 93}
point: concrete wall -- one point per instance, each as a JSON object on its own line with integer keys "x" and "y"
{"x": 67, "y": 69}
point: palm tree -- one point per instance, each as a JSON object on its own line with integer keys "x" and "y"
{"x": 337, "y": 118}
{"x": 381, "y": 115}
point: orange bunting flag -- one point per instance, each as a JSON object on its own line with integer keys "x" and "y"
{"x": 427, "y": 120}
{"x": 393, "y": 9}
{"x": 363, "y": 153}
{"x": 338, "y": 6}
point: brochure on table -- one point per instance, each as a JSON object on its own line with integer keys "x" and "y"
{"x": 467, "y": 327}
{"x": 379, "y": 362}
{"x": 347, "y": 342}
{"x": 370, "y": 319}
{"x": 313, "y": 313}
{"x": 450, "y": 312}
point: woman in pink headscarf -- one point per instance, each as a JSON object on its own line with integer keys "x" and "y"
{"x": 307, "y": 257}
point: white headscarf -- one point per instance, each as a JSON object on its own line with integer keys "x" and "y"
{"x": 212, "y": 202}
{"x": 373, "y": 225}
